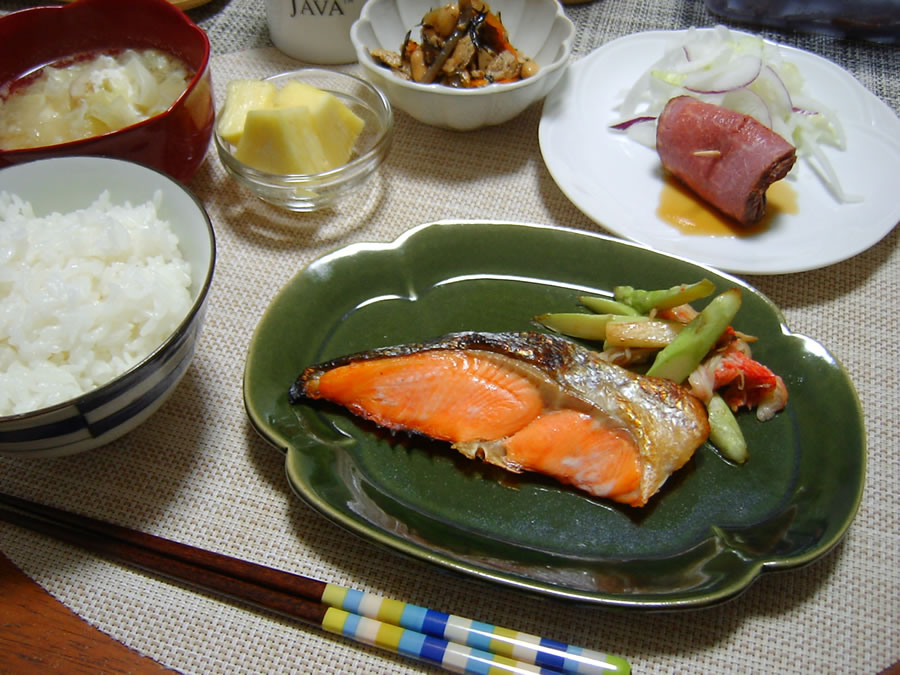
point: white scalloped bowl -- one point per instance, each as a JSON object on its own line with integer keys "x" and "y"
{"x": 539, "y": 29}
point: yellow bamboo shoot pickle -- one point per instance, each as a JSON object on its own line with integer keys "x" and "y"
{"x": 240, "y": 97}
{"x": 296, "y": 129}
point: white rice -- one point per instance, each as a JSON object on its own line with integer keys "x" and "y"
{"x": 84, "y": 296}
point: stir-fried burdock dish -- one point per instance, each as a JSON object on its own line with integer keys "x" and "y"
{"x": 462, "y": 44}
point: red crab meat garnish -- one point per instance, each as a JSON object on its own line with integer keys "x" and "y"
{"x": 743, "y": 381}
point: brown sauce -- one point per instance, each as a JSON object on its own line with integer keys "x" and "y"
{"x": 684, "y": 210}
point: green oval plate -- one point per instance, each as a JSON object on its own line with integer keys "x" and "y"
{"x": 712, "y": 529}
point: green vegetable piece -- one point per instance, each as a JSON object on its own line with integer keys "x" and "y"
{"x": 678, "y": 360}
{"x": 724, "y": 432}
{"x": 641, "y": 332}
{"x": 575, "y": 324}
{"x": 644, "y": 301}
{"x": 607, "y": 305}
{"x": 669, "y": 77}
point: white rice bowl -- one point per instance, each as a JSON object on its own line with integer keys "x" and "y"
{"x": 105, "y": 271}
{"x": 84, "y": 296}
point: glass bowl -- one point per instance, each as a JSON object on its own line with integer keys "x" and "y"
{"x": 310, "y": 192}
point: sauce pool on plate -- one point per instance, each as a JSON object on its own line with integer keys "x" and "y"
{"x": 683, "y": 210}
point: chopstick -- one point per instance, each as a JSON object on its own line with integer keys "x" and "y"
{"x": 452, "y": 642}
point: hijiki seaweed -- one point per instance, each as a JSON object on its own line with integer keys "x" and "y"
{"x": 463, "y": 44}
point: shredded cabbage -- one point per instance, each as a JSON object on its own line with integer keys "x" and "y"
{"x": 91, "y": 97}
{"x": 743, "y": 73}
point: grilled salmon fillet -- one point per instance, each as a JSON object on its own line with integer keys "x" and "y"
{"x": 525, "y": 402}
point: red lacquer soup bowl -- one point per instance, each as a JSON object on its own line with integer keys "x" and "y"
{"x": 174, "y": 141}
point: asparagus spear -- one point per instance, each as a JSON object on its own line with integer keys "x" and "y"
{"x": 629, "y": 332}
{"x": 607, "y": 305}
{"x": 644, "y": 301}
{"x": 581, "y": 325}
{"x": 724, "y": 432}
{"x": 686, "y": 351}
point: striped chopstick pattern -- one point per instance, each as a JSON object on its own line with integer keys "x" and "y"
{"x": 451, "y": 656}
{"x": 452, "y": 642}
{"x": 484, "y": 639}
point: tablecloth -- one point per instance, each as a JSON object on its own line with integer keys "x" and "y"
{"x": 198, "y": 472}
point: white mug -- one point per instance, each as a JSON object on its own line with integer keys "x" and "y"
{"x": 315, "y": 31}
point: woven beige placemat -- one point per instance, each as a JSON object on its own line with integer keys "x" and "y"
{"x": 197, "y": 472}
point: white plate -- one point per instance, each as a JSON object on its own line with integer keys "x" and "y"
{"x": 617, "y": 182}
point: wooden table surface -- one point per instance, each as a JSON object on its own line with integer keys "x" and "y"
{"x": 38, "y": 634}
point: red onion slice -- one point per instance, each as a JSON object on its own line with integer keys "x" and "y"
{"x": 622, "y": 126}
{"x": 741, "y": 72}
{"x": 772, "y": 88}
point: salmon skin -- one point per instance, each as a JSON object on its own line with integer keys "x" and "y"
{"x": 727, "y": 158}
{"x": 525, "y": 402}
